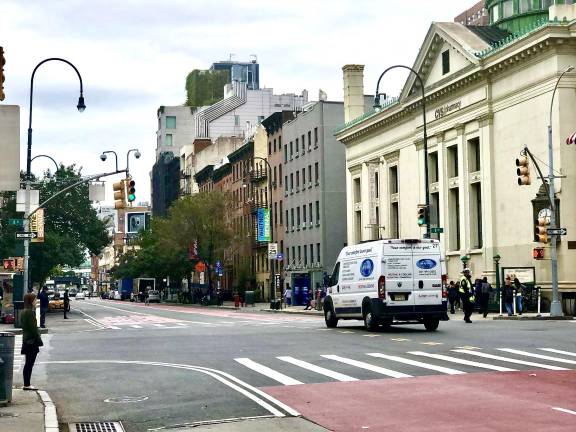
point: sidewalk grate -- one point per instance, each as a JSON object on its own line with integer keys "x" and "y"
{"x": 96, "y": 427}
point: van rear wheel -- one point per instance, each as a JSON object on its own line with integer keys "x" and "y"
{"x": 330, "y": 317}
{"x": 370, "y": 321}
{"x": 431, "y": 324}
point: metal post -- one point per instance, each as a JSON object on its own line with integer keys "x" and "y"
{"x": 539, "y": 299}
{"x": 513, "y": 302}
{"x": 500, "y": 303}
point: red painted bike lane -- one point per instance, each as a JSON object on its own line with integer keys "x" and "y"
{"x": 479, "y": 402}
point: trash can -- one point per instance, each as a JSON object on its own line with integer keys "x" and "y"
{"x": 6, "y": 367}
{"x": 275, "y": 304}
{"x": 569, "y": 303}
{"x": 249, "y": 298}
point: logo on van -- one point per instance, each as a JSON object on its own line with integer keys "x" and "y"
{"x": 367, "y": 267}
{"x": 426, "y": 264}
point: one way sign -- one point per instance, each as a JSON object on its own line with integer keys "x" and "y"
{"x": 26, "y": 235}
{"x": 557, "y": 231}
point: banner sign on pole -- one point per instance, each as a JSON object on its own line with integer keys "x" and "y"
{"x": 37, "y": 225}
{"x": 272, "y": 250}
{"x": 263, "y": 225}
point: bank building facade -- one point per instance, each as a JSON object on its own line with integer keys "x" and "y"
{"x": 488, "y": 94}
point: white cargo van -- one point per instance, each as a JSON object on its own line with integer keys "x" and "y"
{"x": 388, "y": 281}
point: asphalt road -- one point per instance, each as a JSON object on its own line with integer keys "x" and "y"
{"x": 161, "y": 366}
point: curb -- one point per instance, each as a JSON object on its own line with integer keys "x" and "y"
{"x": 532, "y": 318}
{"x": 50, "y": 416}
{"x": 18, "y": 331}
{"x": 296, "y": 312}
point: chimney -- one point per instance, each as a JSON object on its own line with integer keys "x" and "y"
{"x": 353, "y": 91}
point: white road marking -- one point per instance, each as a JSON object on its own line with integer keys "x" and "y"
{"x": 135, "y": 326}
{"x": 564, "y": 410}
{"x": 508, "y": 359}
{"x": 568, "y": 353}
{"x": 158, "y": 325}
{"x": 367, "y": 366}
{"x": 319, "y": 370}
{"x": 266, "y": 371}
{"x": 399, "y": 340}
{"x": 538, "y": 356}
{"x": 95, "y": 322}
{"x": 462, "y": 361}
{"x": 225, "y": 378}
{"x": 417, "y": 363}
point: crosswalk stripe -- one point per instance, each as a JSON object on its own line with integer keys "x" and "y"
{"x": 508, "y": 359}
{"x": 320, "y": 370}
{"x": 442, "y": 369}
{"x": 266, "y": 371}
{"x": 367, "y": 366}
{"x": 158, "y": 325}
{"x": 568, "y": 353}
{"x": 136, "y": 326}
{"x": 538, "y": 356}
{"x": 462, "y": 361}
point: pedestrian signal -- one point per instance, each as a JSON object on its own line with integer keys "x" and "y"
{"x": 422, "y": 215}
{"x": 538, "y": 253}
{"x": 131, "y": 187}
{"x": 119, "y": 194}
{"x": 541, "y": 229}
{"x": 523, "y": 171}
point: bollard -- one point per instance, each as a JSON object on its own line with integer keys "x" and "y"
{"x": 500, "y": 302}
{"x": 514, "y": 302}
{"x": 539, "y": 298}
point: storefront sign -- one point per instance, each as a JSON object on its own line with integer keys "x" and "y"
{"x": 447, "y": 109}
{"x": 263, "y": 225}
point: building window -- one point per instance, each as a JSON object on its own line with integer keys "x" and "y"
{"x": 291, "y": 149}
{"x": 285, "y": 184}
{"x": 317, "y": 173}
{"x": 476, "y": 215}
{"x": 454, "y": 218}
{"x": 297, "y": 181}
{"x": 494, "y": 13}
{"x": 274, "y": 146}
{"x": 377, "y": 184}
{"x": 507, "y": 8}
{"x": 315, "y": 137}
{"x": 280, "y": 173}
{"x": 310, "y": 213}
{"x": 170, "y": 122}
{"x": 305, "y": 256}
{"x": 296, "y": 147}
{"x": 311, "y": 253}
{"x": 304, "y": 178}
{"x": 274, "y": 179}
{"x": 309, "y": 140}
{"x": 435, "y": 212}
{"x": 393, "y": 179}
{"x": 452, "y": 161}
{"x": 168, "y": 140}
{"x": 281, "y": 221}
{"x": 394, "y": 221}
{"x": 299, "y": 254}
{"x": 294, "y": 253}
{"x": 433, "y": 167}
{"x": 236, "y": 120}
{"x": 285, "y": 153}
{"x": 309, "y": 175}
{"x": 303, "y": 144}
{"x": 445, "y": 62}
{"x": 318, "y": 252}
{"x": 317, "y": 212}
{"x": 304, "y": 214}
{"x": 287, "y": 222}
{"x": 525, "y": 6}
{"x": 292, "y": 219}
{"x": 275, "y": 213}
{"x": 291, "y": 182}
{"x": 269, "y": 147}
{"x": 474, "y": 155}
{"x": 298, "y": 218}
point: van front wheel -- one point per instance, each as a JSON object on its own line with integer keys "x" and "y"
{"x": 370, "y": 321}
{"x": 330, "y": 317}
{"x": 431, "y": 324}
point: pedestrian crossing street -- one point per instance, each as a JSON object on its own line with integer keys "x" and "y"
{"x": 288, "y": 370}
{"x": 156, "y": 322}
{"x": 18, "y": 358}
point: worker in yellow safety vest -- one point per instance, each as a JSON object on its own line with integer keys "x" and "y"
{"x": 466, "y": 292}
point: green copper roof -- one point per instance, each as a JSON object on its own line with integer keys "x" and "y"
{"x": 513, "y": 15}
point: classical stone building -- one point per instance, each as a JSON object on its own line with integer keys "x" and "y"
{"x": 488, "y": 94}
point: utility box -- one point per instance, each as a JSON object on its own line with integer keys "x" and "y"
{"x": 6, "y": 367}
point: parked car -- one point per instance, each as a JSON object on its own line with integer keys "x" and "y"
{"x": 80, "y": 296}
{"x": 72, "y": 292}
{"x": 153, "y": 296}
{"x": 104, "y": 295}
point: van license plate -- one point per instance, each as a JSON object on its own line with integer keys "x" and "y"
{"x": 399, "y": 297}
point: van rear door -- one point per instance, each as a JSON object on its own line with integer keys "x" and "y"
{"x": 427, "y": 273}
{"x": 398, "y": 269}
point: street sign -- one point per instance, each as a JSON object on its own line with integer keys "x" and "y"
{"x": 218, "y": 268}
{"x": 438, "y": 230}
{"x": 557, "y": 231}
{"x": 37, "y": 225}
{"x": 16, "y": 222}
{"x": 26, "y": 235}
{"x": 272, "y": 250}
{"x": 280, "y": 257}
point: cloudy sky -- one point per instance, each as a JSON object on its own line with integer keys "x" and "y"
{"x": 134, "y": 56}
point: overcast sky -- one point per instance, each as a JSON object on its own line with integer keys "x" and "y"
{"x": 134, "y": 56}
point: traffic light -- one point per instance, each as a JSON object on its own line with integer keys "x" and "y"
{"x": 542, "y": 225}
{"x": 422, "y": 215}
{"x": 131, "y": 189}
{"x": 523, "y": 171}
{"x": 2, "y": 63}
{"x": 119, "y": 194}
{"x": 538, "y": 253}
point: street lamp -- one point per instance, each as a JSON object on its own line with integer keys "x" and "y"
{"x": 46, "y": 156}
{"x": 81, "y": 106}
{"x": 465, "y": 259}
{"x": 272, "y": 261}
{"x": 377, "y": 106}
{"x": 555, "y": 307}
{"x": 496, "y": 259}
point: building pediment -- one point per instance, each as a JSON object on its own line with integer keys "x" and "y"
{"x": 447, "y": 49}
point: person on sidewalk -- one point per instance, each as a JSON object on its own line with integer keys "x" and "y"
{"x": 31, "y": 340}
{"x": 484, "y": 299}
{"x": 66, "y": 303}
{"x": 508, "y": 296}
{"x": 452, "y": 296}
{"x": 519, "y": 293}
{"x": 466, "y": 291}
{"x": 43, "y": 297}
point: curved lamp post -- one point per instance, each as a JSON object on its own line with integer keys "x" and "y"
{"x": 46, "y": 156}
{"x": 377, "y": 105}
{"x": 81, "y": 107}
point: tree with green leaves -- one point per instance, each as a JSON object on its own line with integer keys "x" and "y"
{"x": 72, "y": 228}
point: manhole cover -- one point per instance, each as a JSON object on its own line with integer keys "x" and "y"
{"x": 8, "y": 414}
{"x": 96, "y": 427}
{"x": 126, "y": 399}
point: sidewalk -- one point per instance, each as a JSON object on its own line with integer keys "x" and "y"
{"x": 24, "y": 414}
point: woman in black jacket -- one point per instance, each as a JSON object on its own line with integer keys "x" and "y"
{"x": 31, "y": 340}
